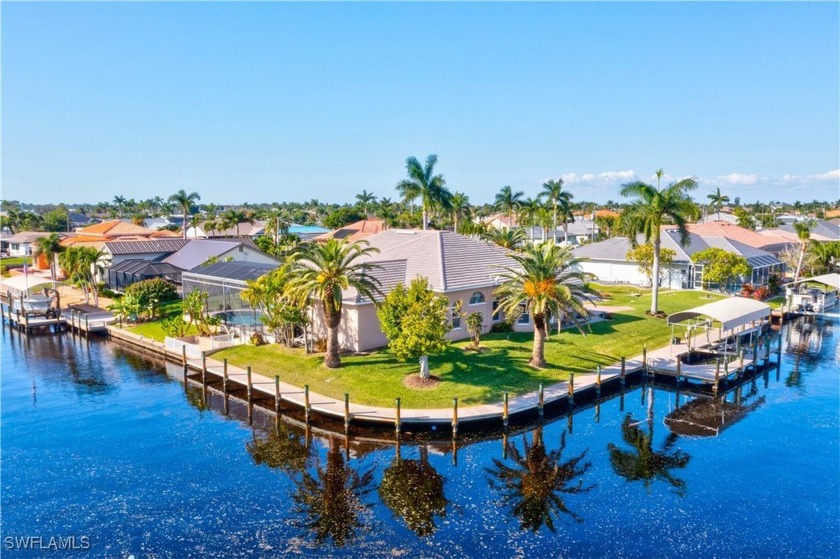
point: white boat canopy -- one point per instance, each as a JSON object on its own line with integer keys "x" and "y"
{"x": 831, "y": 280}
{"x": 731, "y": 312}
{"x": 21, "y": 283}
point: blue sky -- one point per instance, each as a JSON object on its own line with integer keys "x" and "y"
{"x": 275, "y": 101}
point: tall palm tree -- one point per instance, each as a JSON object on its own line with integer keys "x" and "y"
{"x": 510, "y": 239}
{"x": 50, "y": 247}
{"x": 547, "y": 282}
{"x": 413, "y": 490}
{"x": 535, "y": 484}
{"x": 324, "y": 271}
{"x": 423, "y": 183}
{"x": 527, "y": 214}
{"x": 643, "y": 462}
{"x": 646, "y": 214}
{"x": 803, "y": 233}
{"x": 185, "y": 202}
{"x": 717, "y": 200}
{"x": 607, "y": 222}
{"x": 119, "y": 204}
{"x": 277, "y": 224}
{"x": 507, "y": 200}
{"x": 332, "y": 499}
{"x": 233, "y": 217}
{"x": 553, "y": 191}
{"x": 365, "y": 199}
{"x": 83, "y": 266}
{"x": 195, "y": 221}
{"x": 460, "y": 206}
{"x": 565, "y": 215}
{"x": 139, "y": 220}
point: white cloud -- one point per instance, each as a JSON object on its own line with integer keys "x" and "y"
{"x": 604, "y": 178}
{"x": 739, "y": 179}
{"x": 830, "y": 176}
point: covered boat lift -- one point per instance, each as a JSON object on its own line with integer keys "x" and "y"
{"x": 800, "y": 297}
{"x": 20, "y": 294}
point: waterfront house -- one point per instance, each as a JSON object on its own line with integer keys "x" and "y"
{"x": 821, "y": 230}
{"x": 22, "y": 243}
{"x": 607, "y": 260}
{"x": 463, "y": 269}
{"x": 354, "y": 231}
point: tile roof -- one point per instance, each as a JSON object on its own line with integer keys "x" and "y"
{"x": 821, "y": 231}
{"x": 450, "y": 262}
{"x": 114, "y": 228}
{"x": 25, "y": 236}
{"x": 737, "y": 233}
{"x": 355, "y": 231}
{"x": 165, "y": 234}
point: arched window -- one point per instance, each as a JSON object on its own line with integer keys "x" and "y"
{"x": 477, "y": 298}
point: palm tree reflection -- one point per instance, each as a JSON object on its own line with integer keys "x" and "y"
{"x": 534, "y": 485}
{"x": 282, "y": 449}
{"x": 644, "y": 463}
{"x": 413, "y": 490}
{"x": 331, "y": 501}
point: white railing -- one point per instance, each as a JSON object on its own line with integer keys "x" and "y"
{"x": 177, "y": 346}
{"x": 222, "y": 340}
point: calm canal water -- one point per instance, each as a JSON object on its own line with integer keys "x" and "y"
{"x": 100, "y": 443}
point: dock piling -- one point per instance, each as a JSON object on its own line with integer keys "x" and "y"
{"x": 717, "y": 375}
{"x": 571, "y": 387}
{"x": 741, "y": 363}
{"x": 250, "y": 385}
{"x": 505, "y": 411}
{"x": 598, "y": 382}
{"x": 306, "y": 408}
{"x": 644, "y": 358}
{"x": 184, "y": 355}
{"x": 204, "y": 368}
{"x": 277, "y": 394}
{"x": 454, "y": 417}
{"x": 346, "y": 412}
{"x": 541, "y": 404}
{"x": 623, "y": 369}
{"x": 398, "y": 419}
{"x": 224, "y": 376}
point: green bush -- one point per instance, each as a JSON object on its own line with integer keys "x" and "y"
{"x": 158, "y": 290}
{"x": 3, "y": 271}
{"x": 341, "y": 217}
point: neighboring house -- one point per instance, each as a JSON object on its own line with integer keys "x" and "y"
{"x": 129, "y": 261}
{"x": 580, "y": 231}
{"x": 354, "y": 231}
{"x": 771, "y": 243}
{"x": 498, "y": 220}
{"x": 823, "y": 231}
{"x": 463, "y": 269}
{"x": 78, "y": 220}
{"x": 252, "y": 230}
{"x": 720, "y": 216}
{"x": 607, "y": 261}
{"x": 97, "y": 235}
{"x": 22, "y": 243}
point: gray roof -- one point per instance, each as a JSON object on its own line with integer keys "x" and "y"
{"x": 823, "y": 228}
{"x": 144, "y": 267}
{"x": 449, "y": 261}
{"x": 241, "y": 271}
{"x": 616, "y": 248}
{"x": 27, "y": 236}
{"x": 196, "y": 252}
{"x": 151, "y": 246}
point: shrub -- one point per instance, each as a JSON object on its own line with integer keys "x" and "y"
{"x": 502, "y": 327}
{"x": 155, "y": 289}
{"x": 174, "y": 326}
{"x": 761, "y": 293}
{"x": 747, "y": 290}
{"x": 4, "y": 271}
{"x": 475, "y": 321}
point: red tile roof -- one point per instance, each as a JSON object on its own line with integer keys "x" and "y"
{"x": 355, "y": 231}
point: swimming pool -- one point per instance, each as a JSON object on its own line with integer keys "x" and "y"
{"x": 245, "y": 317}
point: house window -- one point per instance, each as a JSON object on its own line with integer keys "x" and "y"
{"x": 497, "y": 314}
{"x": 477, "y": 298}
{"x": 525, "y": 317}
{"x": 456, "y": 315}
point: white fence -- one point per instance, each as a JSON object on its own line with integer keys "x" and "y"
{"x": 175, "y": 345}
{"x": 222, "y": 340}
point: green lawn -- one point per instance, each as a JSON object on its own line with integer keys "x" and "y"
{"x": 16, "y": 261}
{"x": 153, "y": 328}
{"x": 376, "y": 378}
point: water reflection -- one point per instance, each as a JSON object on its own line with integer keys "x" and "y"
{"x": 534, "y": 484}
{"x": 644, "y": 463}
{"x": 282, "y": 448}
{"x": 196, "y": 398}
{"x": 413, "y": 490}
{"x": 332, "y": 500}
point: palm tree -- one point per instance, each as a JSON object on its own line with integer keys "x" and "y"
{"x": 332, "y": 499}
{"x": 424, "y": 184}
{"x": 508, "y": 200}
{"x": 365, "y": 199}
{"x": 505, "y": 238}
{"x": 185, "y": 202}
{"x": 825, "y": 253}
{"x": 566, "y": 216}
{"x": 139, "y": 220}
{"x": 195, "y": 221}
{"x": 553, "y": 191}
{"x": 647, "y": 212}
{"x": 119, "y": 204}
{"x": 547, "y": 282}
{"x": 83, "y": 266}
{"x": 233, "y": 217}
{"x": 527, "y": 214}
{"x": 323, "y": 271}
{"x": 642, "y": 462}
{"x": 277, "y": 224}
{"x": 211, "y": 227}
{"x": 534, "y": 486}
{"x": 460, "y": 206}
{"x": 803, "y": 233}
{"x": 413, "y": 490}
{"x": 718, "y": 200}
{"x": 50, "y": 247}
{"x": 607, "y": 222}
